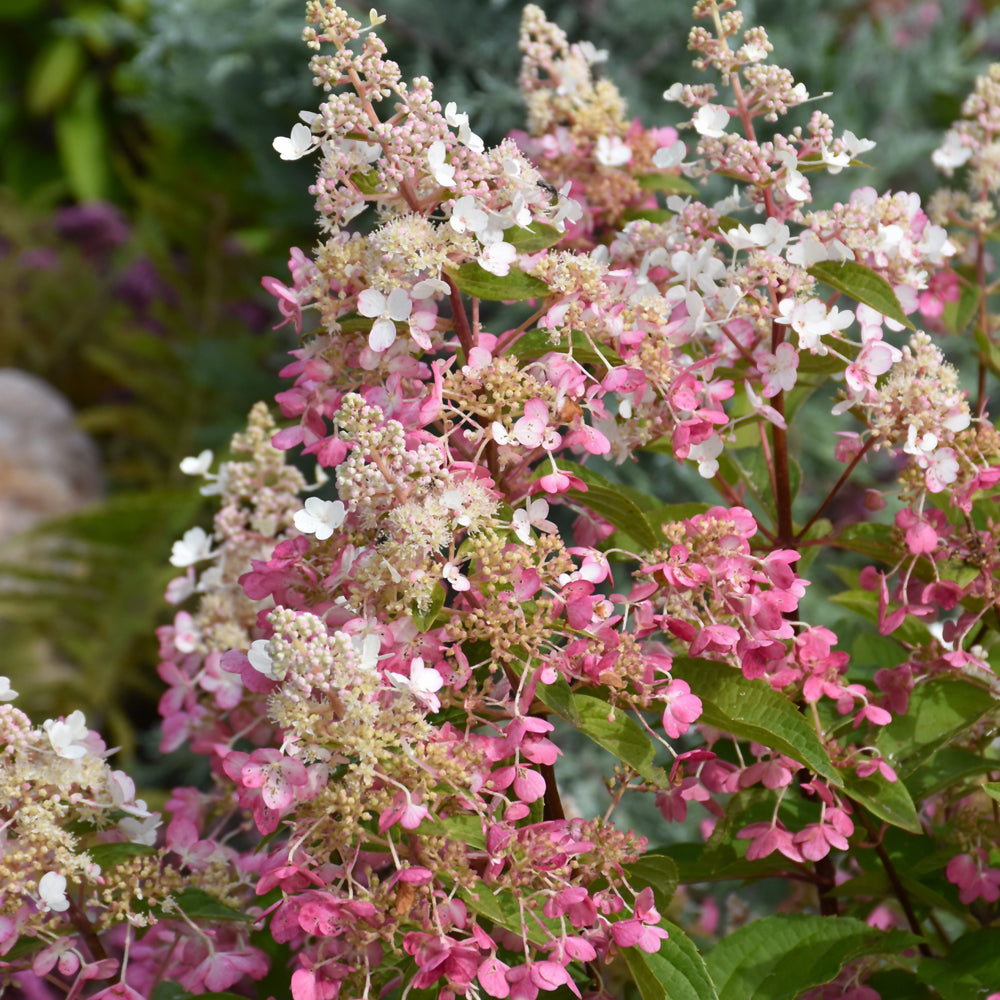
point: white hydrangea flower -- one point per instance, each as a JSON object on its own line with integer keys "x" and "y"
{"x": 301, "y": 142}
{"x": 193, "y": 547}
{"x": 367, "y": 649}
{"x": 467, "y": 216}
{"x": 68, "y": 737}
{"x": 443, "y": 173}
{"x": 423, "y": 683}
{"x": 612, "y": 151}
{"x": 197, "y": 465}
{"x": 951, "y": 154}
{"x": 497, "y": 258}
{"x": 140, "y": 830}
{"x": 7, "y": 693}
{"x": 320, "y": 517}
{"x": 667, "y": 157}
{"x": 386, "y": 310}
{"x": 52, "y": 891}
{"x": 711, "y": 121}
{"x": 706, "y": 454}
{"x": 461, "y": 121}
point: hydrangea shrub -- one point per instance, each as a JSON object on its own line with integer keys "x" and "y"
{"x": 381, "y": 667}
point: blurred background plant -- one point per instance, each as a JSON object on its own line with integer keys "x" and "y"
{"x": 141, "y": 201}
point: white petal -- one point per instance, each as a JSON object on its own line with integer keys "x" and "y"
{"x": 371, "y": 303}
{"x": 382, "y": 336}
{"x": 52, "y": 890}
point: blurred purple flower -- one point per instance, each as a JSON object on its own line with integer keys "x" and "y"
{"x": 96, "y": 228}
{"x": 140, "y": 284}
{"x": 39, "y": 259}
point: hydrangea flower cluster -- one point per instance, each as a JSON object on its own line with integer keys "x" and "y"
{"x": 378, "y": 666}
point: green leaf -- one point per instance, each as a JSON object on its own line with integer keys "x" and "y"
{"x": 538, "y": 343}
{"x": 200, "y": 905}
{"x": 676, "y": 972}
{"x": 872, "y": 540}
{"x": 82, "y": 143}
{"x": 862, "y": 284}
{"x": 818, "y": 364}
{"x": 748, "y": 465}
{"x": 425, "y": 620}
{"x": 939, "y": 710}
{"x": 619, "y": 505}
{"x": 659, "y": 872}
{"x": 779, "y": 957}
{"x": 754, "y": 711}
{"x": 169, "y": 991}
{"x": 719, "y": 862}
{"x": 951, "y": 983}
{"x": 670, "y": 183}
{"x": 992, "y": 789}
{"x": 865, "y": 603}
{"x": 814, "y": 162}
{"x": 656, "y": 215}
{"x": 958, "y": 315}
{"x": 900, "y": 984}
{"x": 54, "y": 74}
{"x": 462, "y": 828}
{"x": 620, "y": 734}
{"x": 514, "y": 287}
{"x": 668, "y": 513}
{"x": 594, "y": 478}
{"x": 888, "y": 800}
{"x": 559, "y": 697}
{"x": 948, "y": 767}
{"x": 110, "y": 855}
{"x": 502, "y": 908}
{"x": 617, "y": 509}
{"x": 539, "y": 237}
{"x": 988, "y": 351}
{"x": 972, "y": 968}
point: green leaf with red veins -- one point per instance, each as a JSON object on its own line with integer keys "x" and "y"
{"x": 753, "y": 710}
{"x": 676, "y": 972}
{"x": 862, "y": 284}
{"x": 513, "y": 287}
